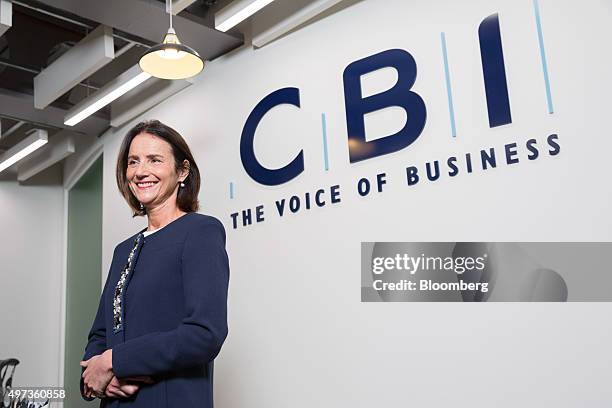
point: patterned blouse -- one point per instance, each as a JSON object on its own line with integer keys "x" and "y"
{"x": 118, "y": 309}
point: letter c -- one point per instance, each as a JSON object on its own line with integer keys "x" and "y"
{"x": 259, "y": 173}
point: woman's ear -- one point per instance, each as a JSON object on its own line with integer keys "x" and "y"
{"x": 184, "y": 170}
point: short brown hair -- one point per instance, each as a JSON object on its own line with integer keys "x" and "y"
{"x": 187, "y": 198}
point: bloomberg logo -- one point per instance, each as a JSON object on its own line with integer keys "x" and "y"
{"x": 399, "y": 95}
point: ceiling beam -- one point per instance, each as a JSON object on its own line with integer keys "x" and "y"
{"x": 6, "y": 15}
{"x": 148, "y": 19}
{"x": 180, "y": 5}
{"x": 86, "y": 57}
{"x": 20, "y": 106}
{"x": 296, "y": 19}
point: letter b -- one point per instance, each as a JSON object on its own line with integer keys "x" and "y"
{"x": 399, "y": 95}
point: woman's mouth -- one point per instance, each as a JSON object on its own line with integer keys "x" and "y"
{"x": 144, "y": 185}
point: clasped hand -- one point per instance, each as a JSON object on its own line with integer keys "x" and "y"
{"x": 99, "y": 380}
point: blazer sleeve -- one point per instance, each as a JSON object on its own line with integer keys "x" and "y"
{"x": 96, "y": 340}
{"x": 198, "y": 338}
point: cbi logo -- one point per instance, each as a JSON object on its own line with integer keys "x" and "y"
{"x": 400, "y": 95}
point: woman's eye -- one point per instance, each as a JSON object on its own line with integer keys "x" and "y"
{"x": 130, "y": 162}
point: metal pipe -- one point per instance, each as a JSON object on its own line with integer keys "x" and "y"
{"x": 72, "y": 21}
{"x": 124, "y": 49}
{"x": 49, "y": 13}
{"x": 13, "y": 128}
{"x": 29, "y": 122}
{"x": 131, "y": 41}
{"x": 33, "y": 71}
{"x": 19, "y": 67}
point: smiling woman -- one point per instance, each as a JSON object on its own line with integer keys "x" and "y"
{"x": 154, "y": 344}
{"x": 155, "y": 155}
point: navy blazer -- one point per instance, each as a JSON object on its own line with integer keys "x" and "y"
{"x": 175, "y": 314}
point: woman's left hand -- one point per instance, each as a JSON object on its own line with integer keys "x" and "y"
{"x": 98, "y": 373}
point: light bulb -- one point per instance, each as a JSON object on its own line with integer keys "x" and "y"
{"x": 171, "y": 53}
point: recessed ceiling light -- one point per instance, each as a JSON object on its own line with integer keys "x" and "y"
{"x": 238, "y": 11}
{"x": 22, "y": 149}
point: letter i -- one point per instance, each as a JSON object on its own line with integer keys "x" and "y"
{"x": 494, "y": 71}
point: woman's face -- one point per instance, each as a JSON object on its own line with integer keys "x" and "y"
{"x": 151, "y": 171}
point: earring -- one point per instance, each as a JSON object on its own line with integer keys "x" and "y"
{"x": 182, "y": 184}
{"x": 141, "y": 206}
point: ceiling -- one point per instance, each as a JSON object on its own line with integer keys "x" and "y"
{"x": 42, "y": 31}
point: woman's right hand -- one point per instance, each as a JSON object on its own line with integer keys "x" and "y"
{"x": 125, "y": 387}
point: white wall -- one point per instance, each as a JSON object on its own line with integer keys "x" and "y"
{"x": 31, "y": 225}
{"x": 299, "y": 336}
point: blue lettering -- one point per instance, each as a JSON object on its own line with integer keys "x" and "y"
{"x": 494, "y": 71}
{"x": 531, "y": 146}
{"x": 399, "y": 95}
{"x": 511, "y": 153}
{"x": 552, "y": 143}
{"x": 411, "y": 175}
{"x": 363, "y": 187}
{"x": 262, "y": 175}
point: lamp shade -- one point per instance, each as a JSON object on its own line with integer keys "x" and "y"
{"x": 171, "y": 59}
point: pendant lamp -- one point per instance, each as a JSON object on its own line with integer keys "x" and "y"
{"x": 171, "y": 59}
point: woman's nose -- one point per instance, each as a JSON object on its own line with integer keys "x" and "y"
{"x": 142, "y": 169}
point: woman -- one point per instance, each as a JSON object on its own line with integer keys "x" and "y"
{"x": 162, "y": 316}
